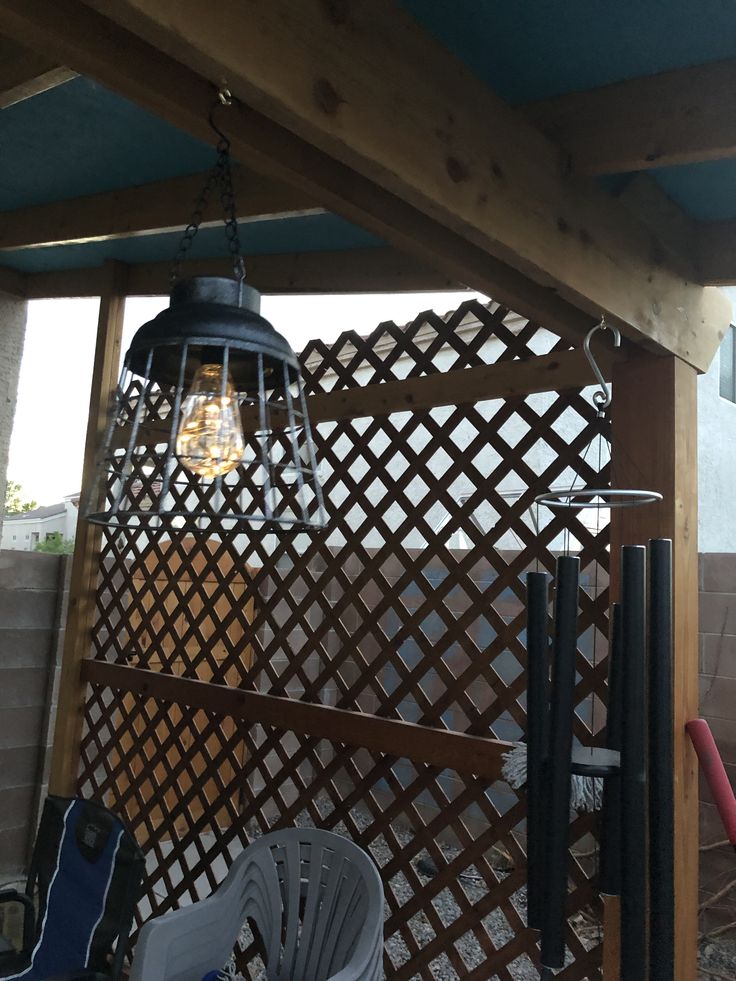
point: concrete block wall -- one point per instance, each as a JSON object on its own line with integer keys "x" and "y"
{"x": 32, "y": 612}
{"x": 718, "y": 706}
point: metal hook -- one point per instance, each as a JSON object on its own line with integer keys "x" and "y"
{"x": 224, "y": 98}
{"x": 601, "y": 399}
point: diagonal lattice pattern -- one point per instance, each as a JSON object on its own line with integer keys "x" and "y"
{"x": 410, "y": 606}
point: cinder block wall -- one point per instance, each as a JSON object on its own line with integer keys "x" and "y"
{"x": 718, "y": 706}
{"x": 32, "y": 611}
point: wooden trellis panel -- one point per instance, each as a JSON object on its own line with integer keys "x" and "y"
{"x": 409, "y": 608}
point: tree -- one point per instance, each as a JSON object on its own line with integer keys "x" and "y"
{"x": 14, "y": 503}
{"x": 55, "y": 544}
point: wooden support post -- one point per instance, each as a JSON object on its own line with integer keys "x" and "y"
{"x": 68, "y": 731}
{"x": 654, "y": 437}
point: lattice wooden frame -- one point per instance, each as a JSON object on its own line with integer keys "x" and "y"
{"x": 321, "y": 629}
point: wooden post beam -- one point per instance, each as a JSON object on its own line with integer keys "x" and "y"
{"x": 654, "y": 446}
{"x": 160, "y": 206}
{"x": 488, "y": 204}
{"x": 85, "y": 563}
{"x": 25, "y": 73}
{"x": 682, "y": 116}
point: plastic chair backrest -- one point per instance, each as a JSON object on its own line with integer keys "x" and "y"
{"x": 315, "y": 897}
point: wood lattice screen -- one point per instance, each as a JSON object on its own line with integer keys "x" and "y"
{"x": 409, "y": 608}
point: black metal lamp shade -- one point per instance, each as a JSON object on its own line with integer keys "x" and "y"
{"x": 269, "y": 481}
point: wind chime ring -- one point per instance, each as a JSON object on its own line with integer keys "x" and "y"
{"x": 603, "y": 497}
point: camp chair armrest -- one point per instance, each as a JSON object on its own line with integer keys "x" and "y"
{"x": 29, "y": 913}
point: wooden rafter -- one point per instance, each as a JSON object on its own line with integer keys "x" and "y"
{"x": 716, "y": 242}
{"x": 149, "y": 208}
{"x": 12, "y": 282}
{"x": 488, "y": 204}
{"x": 682, "y": 116}
{"x": 25, "y": 73}
{"x": 379, "y": 270}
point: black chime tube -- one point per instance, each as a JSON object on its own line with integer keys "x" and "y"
{"x": 558, "y": 775}
{"x": 634, "y": 864}
{"x": 661, "y": 764}
{"x": 610, "y": 861}
{"x": 537, "y": 740}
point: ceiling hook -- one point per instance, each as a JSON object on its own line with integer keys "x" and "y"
{"x": 602, "y": 398}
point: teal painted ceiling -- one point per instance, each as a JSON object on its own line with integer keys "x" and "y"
{"x": 81, "y": 139}
{"x": 537, "y": 49}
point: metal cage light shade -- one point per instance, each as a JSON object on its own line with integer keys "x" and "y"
{"x": 270, "y": 481}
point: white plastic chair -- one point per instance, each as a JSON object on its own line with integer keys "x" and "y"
{"x": 318, "y": 891}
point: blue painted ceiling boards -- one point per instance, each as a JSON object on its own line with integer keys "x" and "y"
{"x": 537, "y": 49}
{"x": 81, "y": 139}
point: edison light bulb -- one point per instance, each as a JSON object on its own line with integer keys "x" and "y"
{"x": 210, "y": 440}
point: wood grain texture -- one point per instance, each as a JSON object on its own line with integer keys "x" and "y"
{"x": 683, "y": 116}
{"x": 654, "y": 420}
{"x": 87, "y": 546}
{"x": 147, "y": 209}
{"x": 377, "y": 270}
{"x": 465, "y": 754}
{"x": 488, "y": 205}
{"x": 25, "y": 73}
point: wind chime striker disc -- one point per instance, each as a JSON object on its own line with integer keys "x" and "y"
{"x": 595, "y": 761}
{"x": 604, "y": 497}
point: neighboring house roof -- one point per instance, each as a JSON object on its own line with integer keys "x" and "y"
{"x": 45, "y": 512}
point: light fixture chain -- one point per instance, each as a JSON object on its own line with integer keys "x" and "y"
{"x": 229, "y": 210}
{"x": 200, "y": 208}
{"x": 220, "y": 175}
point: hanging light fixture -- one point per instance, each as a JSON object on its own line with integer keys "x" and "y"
{"x": 209, "y": 427}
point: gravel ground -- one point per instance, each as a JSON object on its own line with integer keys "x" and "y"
{"x": 717, "y": 956}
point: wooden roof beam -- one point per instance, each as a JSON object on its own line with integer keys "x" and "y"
{"x": 716, "y": 243}
{"x": 25, "y": 73}
{"x": 13, "y": 282}
{"x": 340, "y": 100}
{"x": 160, "y": 206}
{"x": 379, "y": 270}
{"x": 682, "y": 116}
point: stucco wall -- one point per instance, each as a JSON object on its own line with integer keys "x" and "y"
{"x": 716, "y": 465}
{"x": 12, "y": 334}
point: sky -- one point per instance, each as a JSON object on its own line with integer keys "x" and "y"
{"x": 50, "y": 425}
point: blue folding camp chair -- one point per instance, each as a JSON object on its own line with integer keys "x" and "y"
{"x": 84, "y": 881}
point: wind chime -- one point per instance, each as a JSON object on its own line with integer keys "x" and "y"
{"x": 209, "y": 430}
{"x": 630, "y": 778}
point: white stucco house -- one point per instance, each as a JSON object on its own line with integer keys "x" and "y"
{"x": 22, "y": 532}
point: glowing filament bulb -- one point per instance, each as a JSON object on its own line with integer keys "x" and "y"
{"x": 210, "y": 440}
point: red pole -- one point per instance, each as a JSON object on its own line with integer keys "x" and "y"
{"x": 715, "y": 774}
